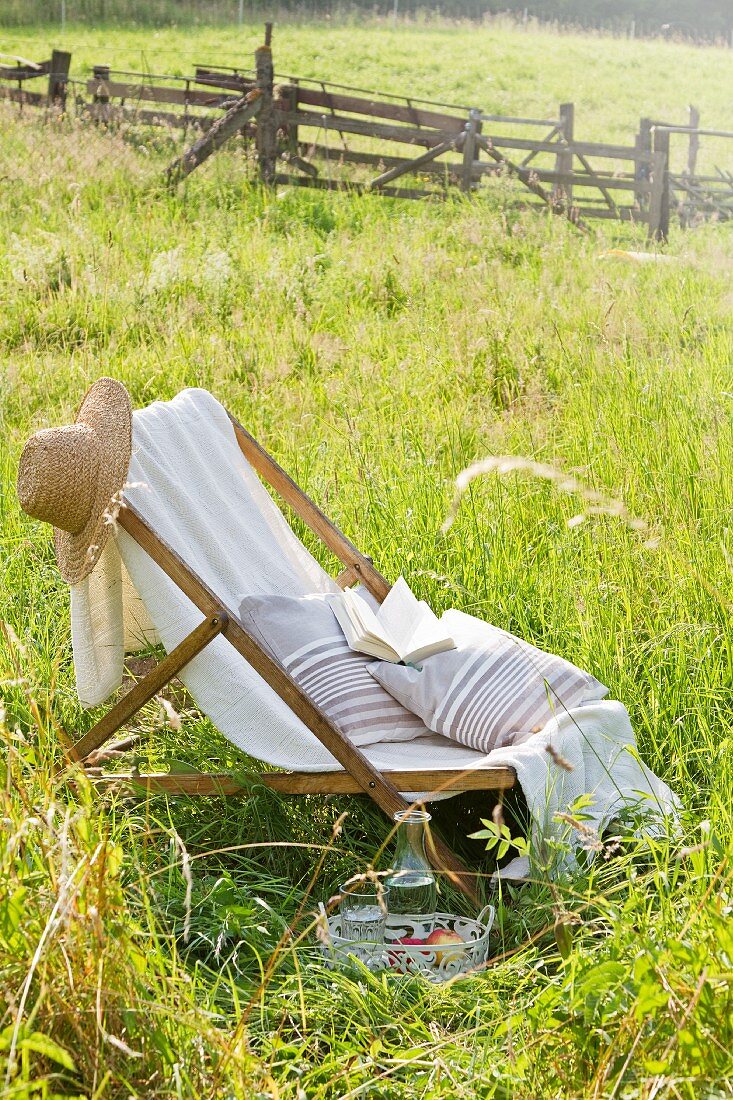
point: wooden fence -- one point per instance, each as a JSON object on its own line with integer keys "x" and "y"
{"x": 15, "y": 77}
{"x": 318, "y": 134}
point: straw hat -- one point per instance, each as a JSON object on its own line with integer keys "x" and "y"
{"x": 68, "y": 476}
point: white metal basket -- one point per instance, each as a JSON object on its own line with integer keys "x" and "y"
{"x": 436, "y": 962}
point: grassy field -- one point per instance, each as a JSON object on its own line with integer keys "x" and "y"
{"x": 376, "y": 348}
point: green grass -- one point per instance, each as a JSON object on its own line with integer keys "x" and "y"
{"x": 376, "y": 348}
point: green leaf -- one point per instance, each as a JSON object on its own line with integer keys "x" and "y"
{"x": 48, "y": 1048}
{"x": 180, "y": 767}
{"x": 563, "y": 938}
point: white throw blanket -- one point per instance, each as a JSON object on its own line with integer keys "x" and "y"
{"x": 190, "y": 481}
{"x": 587, "y": 751}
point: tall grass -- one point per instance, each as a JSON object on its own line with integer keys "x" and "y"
{"x": 377, "y": 349}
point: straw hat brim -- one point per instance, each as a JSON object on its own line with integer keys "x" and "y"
{"x": 107, "y": 411}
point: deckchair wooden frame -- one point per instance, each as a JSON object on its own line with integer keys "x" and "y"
{"x": 359, "y": 775}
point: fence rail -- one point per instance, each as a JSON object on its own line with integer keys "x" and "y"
{"x": 313, "y": 125}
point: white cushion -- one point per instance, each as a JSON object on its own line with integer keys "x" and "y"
{"x": 491, "y": 690}
{"x": 303, "y": 635}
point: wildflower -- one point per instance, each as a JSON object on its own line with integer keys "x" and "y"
{"x": 216, "y": 270}
{"x": 166, "y": 269}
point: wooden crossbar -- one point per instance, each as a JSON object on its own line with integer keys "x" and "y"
{"x": 222, "y": 783}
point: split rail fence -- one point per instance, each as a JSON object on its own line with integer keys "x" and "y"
{"x": 323, "y": 135}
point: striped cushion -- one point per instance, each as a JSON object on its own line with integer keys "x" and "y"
{"x": 492, "y": 690}
{"x": 302, "y": 634}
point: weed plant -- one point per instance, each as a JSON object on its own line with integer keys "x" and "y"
{"x": 163, "y": 947}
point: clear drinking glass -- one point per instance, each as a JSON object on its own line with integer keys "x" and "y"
{"x": 363, "y": 911}
{"x": 412, "y": 882}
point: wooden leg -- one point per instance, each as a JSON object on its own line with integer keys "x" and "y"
{"x": 150, "y": 685}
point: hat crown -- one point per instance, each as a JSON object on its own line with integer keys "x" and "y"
{"x": 58, "y": 476}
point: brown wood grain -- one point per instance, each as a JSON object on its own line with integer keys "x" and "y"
{"x": 25, "y": 71}
{"x": 150, "y": 685}
{"x": 309, "y": 512}
{"x": 418, "y": 162}
{"x": 380, "y": 160}
{"x": 224, "y": 128}
{"x": 416, "y": 116}
{"x": 358, "y": 188}
{"x": 222, "y": 783}
{"x": 410, "y": 135}
{"x": 108, "y": 112}
{"x": 19, "y": 95}
{"x": 194, "y": 97}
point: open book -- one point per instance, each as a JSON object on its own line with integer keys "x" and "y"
{"x": 402, "y": 629}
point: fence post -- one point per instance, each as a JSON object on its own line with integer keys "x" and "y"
{"x": 288, "y": 93}
{"x": 101, "y": 73}
{"x": 643, "y": 146}
{"x": 659, "y": 197}
{"x": 469, "y": 149}
{"x": 57, "y": 78}
{"x": 694, "y": 124}
{"x": 563, "y": 189}
{"x": 266, "y": 126}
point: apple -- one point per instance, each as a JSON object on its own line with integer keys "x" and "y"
{"x": 444, "y": 936}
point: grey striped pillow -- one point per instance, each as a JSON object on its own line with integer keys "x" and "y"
{"x": 493, "y": 689}
{"x": 302, "y": 634}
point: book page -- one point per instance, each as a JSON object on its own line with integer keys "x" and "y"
{"x": 430, "y": 636}
{"x": 363, "y": 631}
{"x": 400, "y": 615}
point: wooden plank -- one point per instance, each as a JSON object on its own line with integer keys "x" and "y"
{"x": 230, "y": 81}
{"x": 356, "y": 156}
{"x": 220, "y": 132}
{"x": 621, "y": 213}
{"x": 150, "y": 685}
{"x": 407, "y": 134}
{"x": 514, "y": 120}
{"x": 154, "y": 93}
{"x": 416, "y": 116}
{"x": 580, "y": 179}
{"x": 469, "y": 151}
{"x": 587, "y": 148}
{"x": 26, "y": 71}
{"x": 358, "y": 188}
{"x": 694, "y": 143}
{"x": 416, "y": 164}
{"x": 108, "y": 112}
{"x": 659, "y": 198}
{"x": 222, "y": 783}
{"x": 686, "y": 130}
{"x": 19, "y": 95}
{"x": 563, "y": 190}
{"x": 642, "y": 165}
{"x": 309, "y": 512}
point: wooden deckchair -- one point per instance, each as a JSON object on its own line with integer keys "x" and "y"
{"x": 359, "y": 775}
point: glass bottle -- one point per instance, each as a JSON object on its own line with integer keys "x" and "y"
{"x": 411, "y": 883}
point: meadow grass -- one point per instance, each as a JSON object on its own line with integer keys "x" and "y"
{"x": 376, "y": 348}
